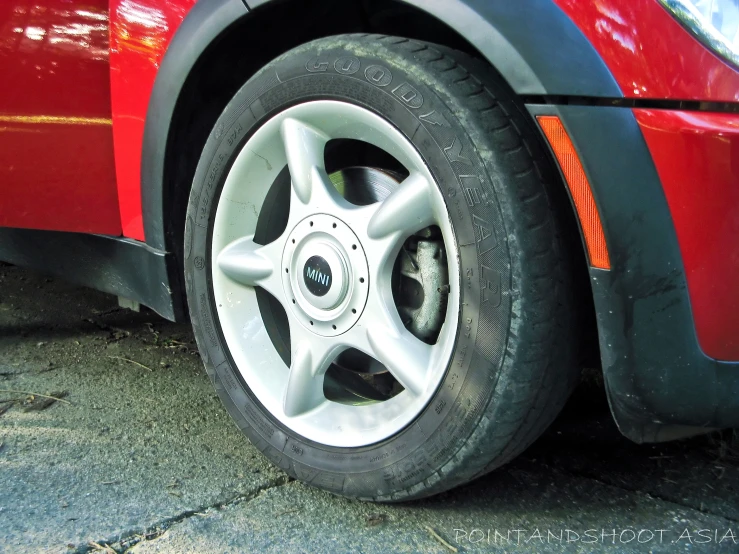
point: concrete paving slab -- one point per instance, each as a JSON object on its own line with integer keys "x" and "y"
{"x": 139, "y": 456}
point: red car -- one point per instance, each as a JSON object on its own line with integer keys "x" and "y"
{"x": 399, "y": 227}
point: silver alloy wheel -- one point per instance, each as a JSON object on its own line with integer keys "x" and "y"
{"x": 349, "y": 252}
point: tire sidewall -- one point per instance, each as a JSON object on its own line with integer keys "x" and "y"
{"x": 386, "y": 86}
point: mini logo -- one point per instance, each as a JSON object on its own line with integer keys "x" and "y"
{"x": 317, "y": 275}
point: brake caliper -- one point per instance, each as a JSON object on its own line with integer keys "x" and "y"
{"x": 422, "y": 284}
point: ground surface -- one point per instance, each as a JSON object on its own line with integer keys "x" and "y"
{"x": 140, "y": 456}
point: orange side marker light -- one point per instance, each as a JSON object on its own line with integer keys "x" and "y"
{"x": 580, "y": 190}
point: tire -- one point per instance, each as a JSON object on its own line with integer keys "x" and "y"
{"x": 513, "y": 354}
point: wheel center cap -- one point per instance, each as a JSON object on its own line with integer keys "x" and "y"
{"x": 324, "y": 272}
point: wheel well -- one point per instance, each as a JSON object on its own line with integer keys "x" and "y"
{"x": 247, "y": 46}
{"x": 267, "y": 32}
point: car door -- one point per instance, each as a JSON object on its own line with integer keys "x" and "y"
{"x": 57, "y": 169}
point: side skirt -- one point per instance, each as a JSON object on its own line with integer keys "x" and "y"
{"x": 115, "y": 265}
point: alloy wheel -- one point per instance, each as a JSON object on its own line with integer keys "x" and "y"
{"x": 333, "y": 269}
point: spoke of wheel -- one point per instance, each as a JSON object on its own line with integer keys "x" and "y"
{"x": 406, "y": 357}
{"x": 309, "y": 362}
{"x": 408, "y": 209}
{"x": 304, "y": 146}
{"x": 250, "y": 264}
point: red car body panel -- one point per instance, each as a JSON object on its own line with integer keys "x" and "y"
{"x": 56, "y": 143}
{"x": 697, "y": 158}
{"x": 650, "y": 54}
{"x": 697, "y": 154}
{"x": 140, "y": 31}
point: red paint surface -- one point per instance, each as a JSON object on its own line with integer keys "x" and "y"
{"x": 140, "y": 32}
{"x": 650, "y": 54}
{"x": 56, "y": 145}
{"x": 697, "y": 157}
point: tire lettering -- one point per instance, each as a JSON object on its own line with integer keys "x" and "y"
{"x": 461, "y": 355}
{"x": 328, "y": 481}
{"x": 347, "y": 65}
{"x": 228, "y": 380}
{"x": 234, "y": 134}
{"x": 407, "y": 469}
{"x": 188, "y": 238}
{"x": 454, "y": 152}
{"x": 378, "y": 75}
{"x": 468, "y": 275}
{"x": 315, "y": 65}
{"x": 207, "y": 325}
{"x": 472, "y": 195}
{"x": 209, "y": 184}
{"x": 257, "y": 421}
{"x": 454, "y": 376}
{"x": 410, "y": 96}
{"x": 485, "y": 235}
{"x": 490, "y": 286}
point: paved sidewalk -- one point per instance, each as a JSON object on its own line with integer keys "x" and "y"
{"x": 140, "y": 456}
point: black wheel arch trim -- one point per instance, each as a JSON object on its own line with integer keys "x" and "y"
{"x": 655, "y": 372}
{"x": 205, "y": 22}
{"x": 533, "y": 44}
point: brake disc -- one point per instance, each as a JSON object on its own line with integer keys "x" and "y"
{"x": 420, "y": 278}
{"x": 422, "y": 273}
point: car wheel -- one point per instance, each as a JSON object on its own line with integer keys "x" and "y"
{"x": 376, "y": 276}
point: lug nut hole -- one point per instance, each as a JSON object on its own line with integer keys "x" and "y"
{"x": 311, "y": 323}
{"x": 361, "y": 279}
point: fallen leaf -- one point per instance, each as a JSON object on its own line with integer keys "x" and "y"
{"x": 375, "y": 519}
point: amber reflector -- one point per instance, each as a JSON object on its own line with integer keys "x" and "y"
{"x": 579, "y": 187}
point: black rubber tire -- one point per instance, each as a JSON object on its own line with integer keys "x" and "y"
{"x": 514, "y": 362}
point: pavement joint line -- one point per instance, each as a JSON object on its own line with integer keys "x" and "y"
{"x": 128, "y": 539}
{"x": 653, "y": 496}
